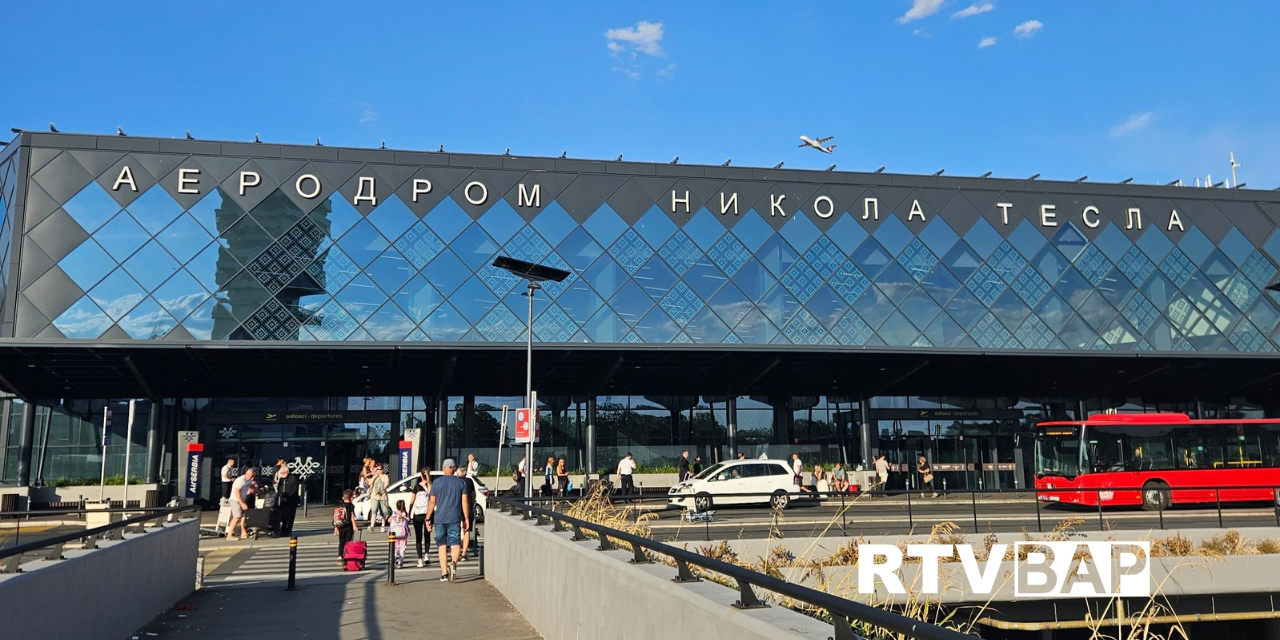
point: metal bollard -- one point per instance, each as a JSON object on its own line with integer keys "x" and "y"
{"x": 293, "y": 564}
{"x": 391, "y": 559}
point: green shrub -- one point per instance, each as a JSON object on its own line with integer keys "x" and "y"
{"x": 91, "y": 481}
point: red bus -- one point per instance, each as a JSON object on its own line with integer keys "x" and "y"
{"x": 1161, "y": 453}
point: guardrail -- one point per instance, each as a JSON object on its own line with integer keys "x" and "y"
{"x": 843, "y": 612}
{"x": 10, "y": 556}
{"x": 1037, "y": 496}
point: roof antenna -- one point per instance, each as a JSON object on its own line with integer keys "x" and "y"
{"x": 1234, "y": 166}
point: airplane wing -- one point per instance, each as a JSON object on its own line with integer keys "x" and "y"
{"x": 803, "y": 145}
{"x": 822, "y": 140}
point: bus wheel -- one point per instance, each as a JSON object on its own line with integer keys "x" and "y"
{"x": 1155, "y": 496}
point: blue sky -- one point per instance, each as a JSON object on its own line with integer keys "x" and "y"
{"x": 1158, "y": 91}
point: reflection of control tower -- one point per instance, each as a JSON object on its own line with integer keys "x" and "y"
{"x": 268, "y": 261}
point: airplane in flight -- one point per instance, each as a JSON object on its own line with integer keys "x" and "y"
{"x": 806, "y": 141}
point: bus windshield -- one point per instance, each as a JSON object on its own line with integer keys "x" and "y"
{"x": 1058, "y": 452}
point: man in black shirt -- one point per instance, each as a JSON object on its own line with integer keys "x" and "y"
{"x": 684, "y": 465}
{"x": 287, "y": 490}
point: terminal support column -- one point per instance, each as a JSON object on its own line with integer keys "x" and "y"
{"x": 731, "y": 425}
{"x": 153, "y": 442}
{"x": 590, "y": 463}
{"x": 442, "y": 426}
{"x": 26, "y": 440}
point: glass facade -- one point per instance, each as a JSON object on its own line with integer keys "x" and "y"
{"x": 376, "y": 257}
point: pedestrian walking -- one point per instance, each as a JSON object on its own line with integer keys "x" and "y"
{"x": 683, "y": 465}
{"x": 450, "y": 513}
{"x": 471, "y": 498}
{"x": 228, "y": 478}
{"x": 378, "y": 497}
{"x": 344, "y": 523}
{"x": 519, "y": 476}
{"x": 398, "y": 526}
{"x": 418, "y": 511}
{"x": 288, "y": 490}
{"x": 562, "y": 479}
{"x": 697, "y": 465}
{"x": 882, "y": 473}
{"x": 926, "y": 477}
{"x": 797, "y": 469}
{"x": 626, "y": 473}
{"x": 240, "y": 498}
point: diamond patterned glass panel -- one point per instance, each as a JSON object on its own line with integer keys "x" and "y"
{"x": 731, "y": 305}
{"x": 606, "y": 326}
{"x": 1140, "y": 312}
{"x": 800, "y": 232}
{"x": 755, "y": 328}
{"x": 939, "y": 236}
{"x": 989, "y": 333}
{"x": 500, "y": 281}
{"x": 631, "y": 302}
{"x": 803, "y": 328}
{"x": 122, "y": 236}
{"x": 1240, "y": 291}
{"x": 1071, "y": 242}
{"x": 147, "y": 321}
{"x": 986, "y": 285}
{"x": 84, "y": 320}
{"x": 478, "y": 250}
{"x": 579, "y": 249}
{"x": 801, "y": 280}
{"x": 1155, "y": 244}
{"x": 605, "y": 225}
{"x": 680, "y": 252}
{"x": 552, "y": 223}
{"x": 776, "y": 255}
{"x": 944, "y": 332}
{"x": 1008, "y": 308}
{"x": 897, "y": 331}
{"x": 705, "y": 278}
{"x": 1034, "y": 333}
{"x": 91, "y": 208}
{"x": 389, "y": 324}
{"x": 1027, "y": 239}
{"x": 1135, "y": 265}
{"x": 631, "y": 251}
{"x": 1246, "y": 337}
{"x": 847, "y": 234}
{"x": 871, "y": 258}
{"x": 941, "y": 284}
{"x": 873, "y": 307}
{"x": 419, "y": 245}
{"x": 1178, "y": 267}
{"x": 151, "y": 266}
{"x": 920, "y": 308}
{"x": 181, "y": 295}
{"x": 824, "y": 256}
{"x": 752, "y": 230}
{"x": 982, "y": 238}
{"x": 1007, "y": 262}
{"x": 656, "y": 278}
{"x": 272, "y": 322}
{"x": 418, "y": 298}
{"x": 474, "y": 300}
{"x": 1259, "y": 270}
{"x": 681, "y": 303}
{"x": 117, "y": 294}
{"x": 554, "y": 325}
{"x": 154, "y": 210}
{"x": 962, "y": 261}
{"x": 655, "y": 227}
{"x": 1030, "y": 286}
{"x": 363, "y": 243}
{"x": 87, "y": 264}
{"x": 527, "y": 245}
{"x": 329, "y": 323}
{"x": 707, "y": 328}
{"x": 1093, "y": 265}
{"x": 704, "y": 229}
{"x": 361, "y": 298}
{"x": 729, "y": 254}
{"x": 917, "y": 259}
{"x": 447, "y": 220}
{"x": 851, "y": 330}
{"x": 656, "y": 328}
{"x": 606, "y": 277}
{"x": 445, "y": 324}
{"x": 501, "y": 221}
{"x": 445, "y": 273}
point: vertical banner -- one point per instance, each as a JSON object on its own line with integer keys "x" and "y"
{"x": 195, "y": 454}
{"x": 526, "y": 426}
{"x": 414, "y": 435}
{"x": 185, "y": 438}
{"x": 406, "y": 458}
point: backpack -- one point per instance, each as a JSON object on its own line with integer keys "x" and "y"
{"x": 340, "y": 516}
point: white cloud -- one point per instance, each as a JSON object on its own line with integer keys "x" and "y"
{"x": 921, "y": 9}
{"x": 986, "y": 42}
{"x": 368, "y": 115}
{"x": 1135, "y": 122}
{"x": 645, "y": 37}
{"x": 973, "y": 10}
{"x": 1027, "y": 29}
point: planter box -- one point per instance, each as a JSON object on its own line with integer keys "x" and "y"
{"x": 90, "y": 493}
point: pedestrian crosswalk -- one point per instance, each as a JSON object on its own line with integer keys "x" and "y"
{"x": 315, "y": 560}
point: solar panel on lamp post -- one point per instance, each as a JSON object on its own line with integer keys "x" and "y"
{"x": 533, "y": 274}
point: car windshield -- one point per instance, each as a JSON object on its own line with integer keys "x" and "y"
{"x": 709, "y": 471}
{"x": 1058, "y": 452}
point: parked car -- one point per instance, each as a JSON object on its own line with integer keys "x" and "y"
{"x": 403, "y": 490}
{"x": 769, "y": 481}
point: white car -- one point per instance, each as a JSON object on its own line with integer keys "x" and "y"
{"x": 769, "y": 481}
{"x": 403, "y": 490}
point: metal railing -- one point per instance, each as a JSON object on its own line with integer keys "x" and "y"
{"x": 843, "y": 612}
{"x": 10, "y": 556}
{"x": 974, "y": 498}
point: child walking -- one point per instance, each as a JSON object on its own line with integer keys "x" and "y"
{"x": 398, "y": 525}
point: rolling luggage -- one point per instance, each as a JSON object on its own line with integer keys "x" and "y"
{"x": 259, "y": 521}
{"x": 354, "y": 554}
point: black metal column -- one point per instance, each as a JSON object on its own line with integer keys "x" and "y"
{"x": 26, "y": 441}
{"x": 153, "y": 442}
{"x": 867, "y": 432}
{"x": 393, "y": 449}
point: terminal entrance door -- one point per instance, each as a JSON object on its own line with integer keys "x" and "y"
{"x": 328, "y": 456}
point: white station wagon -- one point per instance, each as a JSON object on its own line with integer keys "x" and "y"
{"x": 769, "y": 481}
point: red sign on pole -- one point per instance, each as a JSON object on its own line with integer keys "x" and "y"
{"x": 526, "y": 428}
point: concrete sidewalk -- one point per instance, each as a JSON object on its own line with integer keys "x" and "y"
{"x": 355, "y": 607}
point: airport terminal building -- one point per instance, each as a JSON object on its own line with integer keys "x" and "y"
{"x": 322, "y": 304}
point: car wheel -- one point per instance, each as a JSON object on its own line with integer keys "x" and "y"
{"x": 479, "y": 515}
{"x": 779, "y": 500}
{"x": 703, "y": 502}
{"x": 1155, "y": 496}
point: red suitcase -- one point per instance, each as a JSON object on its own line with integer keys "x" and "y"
{"x": 354, "y": 554}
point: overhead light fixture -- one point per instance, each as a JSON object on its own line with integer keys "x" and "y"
{"x": 619, "y": 158}
{"x": 507, "y": 152}
{"x": 986, "y": 175}
{"x": 318, "y": 143}
{"x": 441, "y": 149}
{"x": 384, "y": 145}
{"x": 15, "y": 130}
{"x": 880, "y": 170}
{"x": 530, "y": 271}
{"x": 120, "y": 132}
{"x": 1240, "y": 186}
{"x": 1175, "y": 183}
{"x": 256, "y": 139}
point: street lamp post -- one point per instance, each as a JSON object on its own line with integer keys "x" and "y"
{"x": 533, "y": 273}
